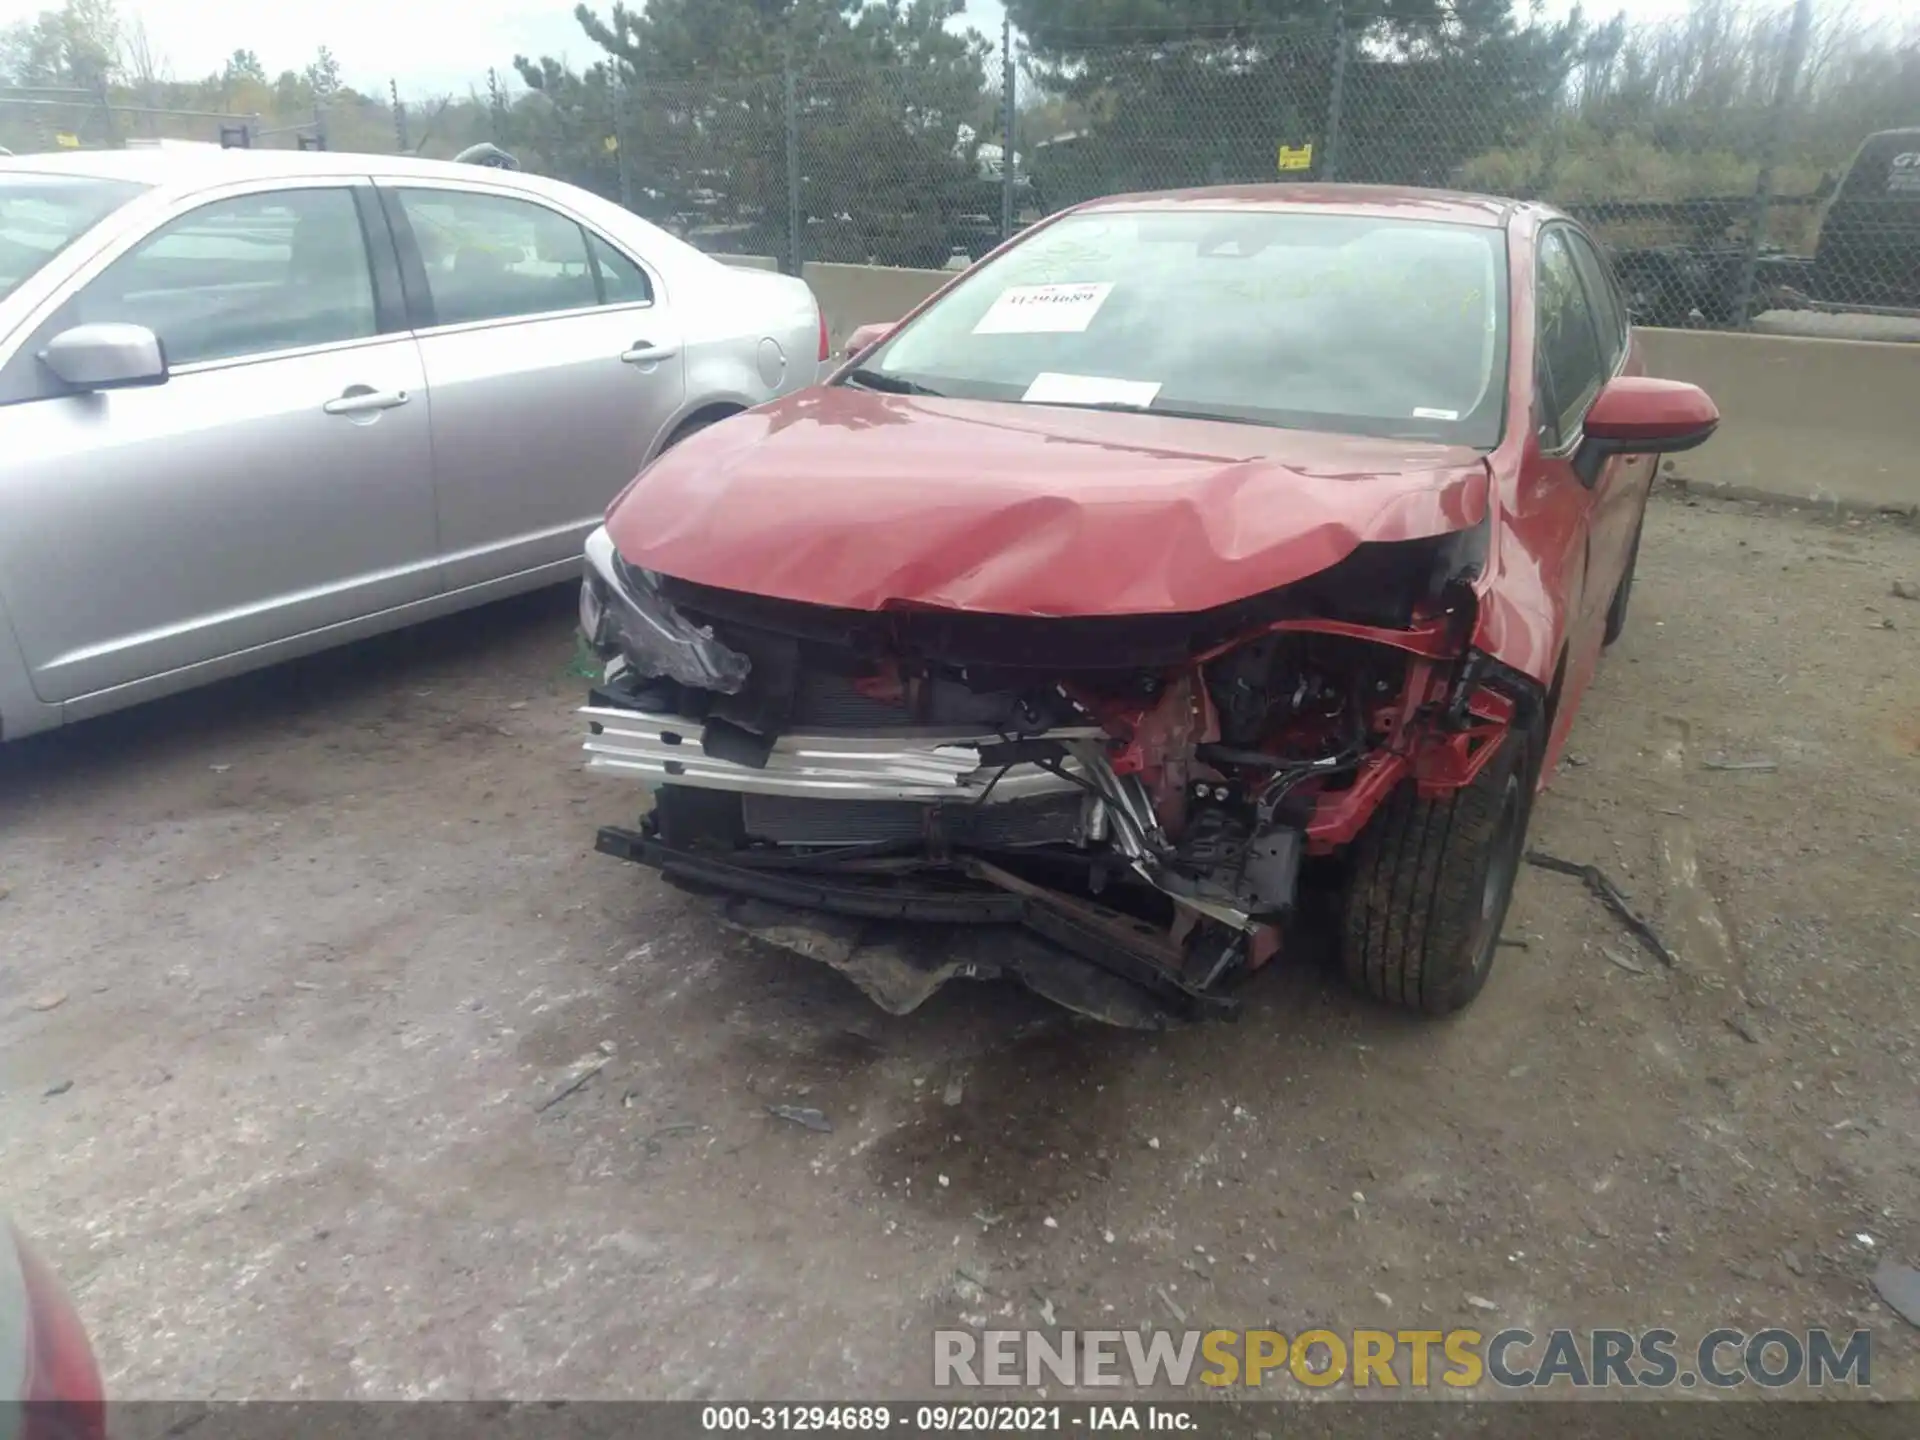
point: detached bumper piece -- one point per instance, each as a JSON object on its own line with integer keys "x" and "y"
{"x": 1077, "y": 953}
{"x": 911, "y": 764}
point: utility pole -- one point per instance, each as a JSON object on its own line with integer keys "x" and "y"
{"x": 1336, "y": 98}
{"x": 796, "y": 216}
{"x": 1777, "y": 118}
{"x": 399, "y": 118}
{"x": 1007, "y": 97}
{"x": 106, "y": 113}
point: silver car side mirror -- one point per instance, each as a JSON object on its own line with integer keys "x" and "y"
{"x": 106, "y": 357}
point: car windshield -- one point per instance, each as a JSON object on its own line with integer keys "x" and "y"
{"x": 1342, "y": 323}
{"x": 40, "y": 215}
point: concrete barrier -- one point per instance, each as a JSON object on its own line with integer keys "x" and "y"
{"x": 1832, "y": 421}
{"x": 1802, "y": 419}
{"x": 749, "y": 262}
{"x": 855, "y": 295}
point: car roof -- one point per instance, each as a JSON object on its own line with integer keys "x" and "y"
{"x": 1457, "y": 207}
{"x": 192, "y": 167}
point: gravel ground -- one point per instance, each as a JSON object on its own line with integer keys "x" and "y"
{"x": 308, "y": 956}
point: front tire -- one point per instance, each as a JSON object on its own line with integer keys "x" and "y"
{"x": 1431, "y": 882}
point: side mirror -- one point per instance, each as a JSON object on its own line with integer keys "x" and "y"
{"x": 1639, "y": 415}
{"x": 865, "y": 337}
{"x": 107, "y": 357}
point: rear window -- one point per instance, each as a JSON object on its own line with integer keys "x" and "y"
{"x": 1302, "y": 320}
{"x": 40, "y": 215}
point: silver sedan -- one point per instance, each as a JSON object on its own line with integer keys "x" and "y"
{"x": 253, "y": 404}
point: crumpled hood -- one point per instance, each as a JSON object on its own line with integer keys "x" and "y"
{"x": 843, "y": 497}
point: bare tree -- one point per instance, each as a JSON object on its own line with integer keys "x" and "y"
{"x": 144, "y": 69}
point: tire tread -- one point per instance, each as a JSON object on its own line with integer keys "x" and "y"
{"x": 1413, "y": 897}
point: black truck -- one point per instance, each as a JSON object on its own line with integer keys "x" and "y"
{"x": 1869, "y": 252}
{"x": 1866, "y": 257}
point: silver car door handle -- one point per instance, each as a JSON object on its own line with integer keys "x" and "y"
{"x": 361, "y": 401}
{"x": 644, "y": 354}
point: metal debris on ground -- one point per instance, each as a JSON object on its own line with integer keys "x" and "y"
{"x": 59, "y": 1087}
{"x": 1743, "y": 1027}
{"x": 583, "y": 1072}
{"x": 1167, "y": 1300}
{"x": 955, "y": 1091}
{"x": 1609, "y": 895}
{"x": 802, "y": 1115}
{"x": 1480, "y": 1302}
{"x": 1899, "y": 1286}
{"x": 1615, "y": 957}
{"x": 51, "y": 1000}
{"x": 1759, "y": 766}
{"x": 1906, "y": 589}
{"x": 682, "y": 1127}
{"x": 1514, "y": 943}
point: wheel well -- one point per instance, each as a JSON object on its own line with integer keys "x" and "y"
{"x": 704, "y": 416}
{"x": 1553, "y": 697}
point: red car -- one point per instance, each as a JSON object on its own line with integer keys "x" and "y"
{"x": 49, "y": 1382}
{"x": 1184, "y": 539}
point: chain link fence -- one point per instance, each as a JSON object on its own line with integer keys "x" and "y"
{"x": 1733, "y": 163}
{"x": 1741, "y": 194}
{"x": 53, "y": 118}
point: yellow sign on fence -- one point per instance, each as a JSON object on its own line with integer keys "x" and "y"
{"x": 1296, "y": 157}
{"x": 66, "y": 141}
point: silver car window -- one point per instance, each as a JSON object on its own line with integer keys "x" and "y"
{"x": 621, "y": 281}
{"x": 492, "y": 257}
{"x": 279, "y": 270}
{"x": 40, "y": 215}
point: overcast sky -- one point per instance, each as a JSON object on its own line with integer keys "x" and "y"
{"x": 434, "y": 46}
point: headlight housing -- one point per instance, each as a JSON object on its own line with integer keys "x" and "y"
{"x": 593, "y": 612}
{"x": 621, "y": 608}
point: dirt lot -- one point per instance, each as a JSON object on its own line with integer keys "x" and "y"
{"x": 314, "y": 949}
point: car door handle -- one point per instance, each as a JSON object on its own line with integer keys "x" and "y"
{"x": 358, "y": 400}
{"x": 645, "y": 353}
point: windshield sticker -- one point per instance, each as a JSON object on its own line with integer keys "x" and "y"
{"x": 1049, "y": 388}
{"x": 1044, "y": 309}
{"x": 1421, "y": 412}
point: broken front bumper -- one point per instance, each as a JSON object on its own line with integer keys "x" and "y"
{"x": 1097, "y": 961}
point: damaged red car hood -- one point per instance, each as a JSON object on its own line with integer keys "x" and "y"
{"x": 844, "y": 497}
